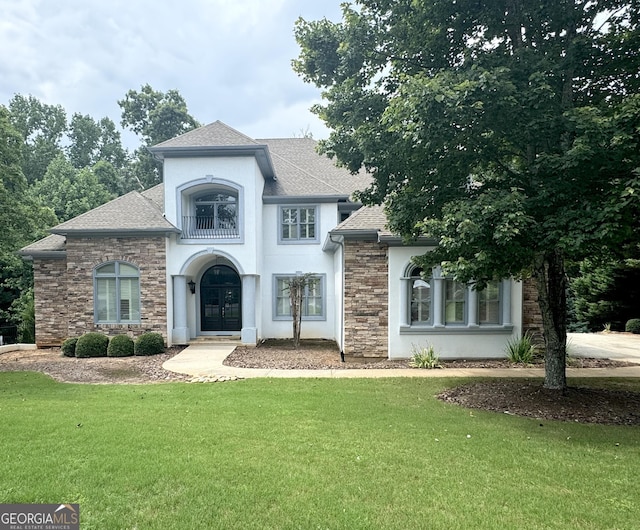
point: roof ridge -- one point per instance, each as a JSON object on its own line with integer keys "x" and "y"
{"x": 236, "y": 131}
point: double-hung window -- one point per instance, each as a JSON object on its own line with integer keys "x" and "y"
{"x": 489, "y": 304}
{"x": 313, "y": 305}
{"x": 117, "y": 293}
{"x": 298, "y": 224}
{"x": 455, "y": 302}
{"x": 420, "y": 298}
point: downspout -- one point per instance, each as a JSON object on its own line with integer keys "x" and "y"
{"x": 341, "y": 244}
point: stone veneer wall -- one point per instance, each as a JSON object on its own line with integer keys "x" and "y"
{"x": 366, "y": 296}
{"x": 84, "y": 254}
{"x": 50, "y": 292}
{"x": 531, "y": 316}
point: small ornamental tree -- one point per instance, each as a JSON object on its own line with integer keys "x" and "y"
{"x": 297, "y": 286}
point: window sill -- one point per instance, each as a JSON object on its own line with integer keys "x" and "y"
{"x": 456, "y": 330}
{"x": 304, "y": 319}
{"x": 315, "y": 241}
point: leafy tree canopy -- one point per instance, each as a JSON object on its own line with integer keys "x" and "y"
{"x": 156, "y": 116}
{"x": 507, "y": 130}
{"x": 42, "y": 128}
{"x": 69, "y": 191}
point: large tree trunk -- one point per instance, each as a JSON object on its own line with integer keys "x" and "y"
{"x": 551, "y": 281}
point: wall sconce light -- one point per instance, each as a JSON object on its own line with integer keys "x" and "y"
{"x": 192, "y": 287}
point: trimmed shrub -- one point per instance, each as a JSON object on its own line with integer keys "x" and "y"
{"x": 120, "y": 346}
{"x": 633, "y": 326}
{"x": 69, "y": 347}
{"x": 92, "y": 345}
{"x": 149, "y": 344}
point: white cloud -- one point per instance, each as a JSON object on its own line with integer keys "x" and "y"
{"x": 230, "y": 60}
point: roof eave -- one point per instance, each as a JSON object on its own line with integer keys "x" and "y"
{"x": 128, "y": 232}
{"x": 300, "y": 199}
{"x": 260, "y": 152}
{"x": 43, "y": 254}
{"x": 396, "y": 241}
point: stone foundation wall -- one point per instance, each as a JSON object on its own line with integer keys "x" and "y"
{"x": 50, "y": 292}
{"x": 366, "y": 304}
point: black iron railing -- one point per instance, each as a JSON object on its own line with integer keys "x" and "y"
{"x": 196, "y": 227}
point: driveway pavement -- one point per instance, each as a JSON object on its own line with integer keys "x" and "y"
{"x": 616, "y": 346}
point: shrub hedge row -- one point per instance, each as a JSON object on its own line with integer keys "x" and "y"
{"x": 95, "y": 344}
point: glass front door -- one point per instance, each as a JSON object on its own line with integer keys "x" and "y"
{"x": 220, "y": 299}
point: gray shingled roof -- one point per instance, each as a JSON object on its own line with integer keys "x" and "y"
{"x": 366, "y": 219}
{"x": 53, "y": 244}
{"x": 300, "y": 171}
{"x": 216, "y": 134}
{"x": 155, "y": 195}
{"x": 132, "y": 212}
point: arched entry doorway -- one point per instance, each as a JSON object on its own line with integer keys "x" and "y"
{"x": 220, "y": 299}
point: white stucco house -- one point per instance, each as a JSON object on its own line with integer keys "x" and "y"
{"x": 208, "y": 253}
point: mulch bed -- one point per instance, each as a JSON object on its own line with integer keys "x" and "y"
{"x": 529, "y": 398}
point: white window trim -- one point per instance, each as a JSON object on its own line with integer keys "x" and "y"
{"x": 323, "y": 290}
{"x": 299, "y": 241}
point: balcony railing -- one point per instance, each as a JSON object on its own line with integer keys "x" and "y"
{"x": 196, "y": 227}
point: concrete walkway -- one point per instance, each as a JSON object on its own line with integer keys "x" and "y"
{"x": 206, "y": 360}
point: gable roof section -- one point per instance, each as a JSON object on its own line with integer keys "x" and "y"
{"x": 215, "y": 139}
{"x": 133, "y": 213}
{"x": 292, "y": 167}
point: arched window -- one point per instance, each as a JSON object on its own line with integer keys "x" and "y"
{"x": 420, "y": 297}
{"x": 117, "y": 293}
{"x": 217, "y": 211}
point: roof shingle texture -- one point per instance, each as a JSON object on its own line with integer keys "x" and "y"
{"x": 130, "y": 212}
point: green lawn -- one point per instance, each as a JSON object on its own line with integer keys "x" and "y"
{"x": 345, "y": 453}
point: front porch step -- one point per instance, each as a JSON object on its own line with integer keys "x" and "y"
{"x": 215, "y": 339}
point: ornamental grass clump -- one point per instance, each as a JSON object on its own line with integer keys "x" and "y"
{"x": 149, "y": 344}
{"x": 424, "y": 358}
{"x": 69, "y": 347}
{"x": 120, "y": 346}
{"x": 92, "y": 345}
{"x": 522, "y": 350}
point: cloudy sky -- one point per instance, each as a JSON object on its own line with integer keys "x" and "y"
{"x": 230, "y": 59}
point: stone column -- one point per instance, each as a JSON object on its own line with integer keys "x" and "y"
{"x": 180, "y": 333}
{"x": 249, "y": 333}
